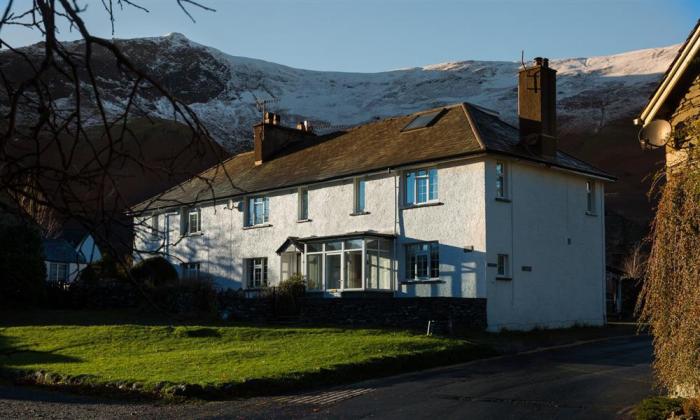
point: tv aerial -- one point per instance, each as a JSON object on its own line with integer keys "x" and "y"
{"x": 655, "y": 134}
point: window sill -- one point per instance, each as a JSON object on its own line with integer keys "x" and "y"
{"x": 200, "y": 233}
{"x": 503, "y": 199}
{"x": 257, "y": 226}
{"x": 415, "y": 206}
{"x": 426, "y": 281}
{"x": 304, "y": 221}
{"x": 590, "y": 213}
{"x": 504, "y": 278}
{"x": 359, "y": 213}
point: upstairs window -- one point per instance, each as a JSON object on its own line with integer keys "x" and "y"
{"x": 590, "y": 197}
{"x": 423, "y": 261}
{"x": 421, "y": 186}
{"x": 502, "y": 266}
{"x": 257, "y": 272}
{"x": 359, "y": 195}
{"x": 303, "y": 210}
{"x": 190, "y": 221}
{"x": 423, "y": 120}
{"x": 501, "y": 180}
{"x": 258, "y": 210}
{"x": 194, "y": 222}
{"x": 155, "y": 228}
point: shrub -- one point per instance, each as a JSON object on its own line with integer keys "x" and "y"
{"x": 154, "y": 272}
{"x": 658, "y": 408}
{"x": 21, "y": 264}
{"x": 691, "y": 407}
{"x": 293, "y": 287}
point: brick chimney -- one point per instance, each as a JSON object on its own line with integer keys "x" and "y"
{"x": 272, "y": 139}
{"x": 537, "y": 107}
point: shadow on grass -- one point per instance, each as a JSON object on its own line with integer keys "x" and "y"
{"x": 14, "y": 354}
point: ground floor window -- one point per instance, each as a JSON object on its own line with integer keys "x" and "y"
{"x": 423, "y": 261}
{"x": 190, "y": 270}
{"x": 257, "y": 272}
{"x": 349, "y": 264}
{"x": 58, "y": 272}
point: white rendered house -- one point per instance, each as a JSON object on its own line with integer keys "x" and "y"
{"x": 449, "y": 202}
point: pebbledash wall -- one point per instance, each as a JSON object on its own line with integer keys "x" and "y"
{"x": 547, "y": 208}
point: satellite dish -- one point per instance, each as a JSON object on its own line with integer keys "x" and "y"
{"x": 655, "y": 134}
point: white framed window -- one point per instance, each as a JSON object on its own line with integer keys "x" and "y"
{"x": 256, "y": 272}
{"x": 590, "y": 197}
{"x": 155, "y": 226}
{"x": 190, "y": 270}
{"x": 503, "y": 265}
{"x": 423, "y": 261}
{"x": 501, "y": 180}
{"x": 421, "y": 186}
{"x": 359, "y": 188}
{"x": 303, "y": 205}
{"x": 194, "y": 222}
{"x": 258, "y": 210}
{"x": 58, "y": 272}
{"x": 290, "y": 265}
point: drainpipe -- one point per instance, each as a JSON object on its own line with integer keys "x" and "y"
{"x": 397, "y": 197}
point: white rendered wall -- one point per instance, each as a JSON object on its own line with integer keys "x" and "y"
{"x": 547, "y": 228}
{"x": 457, "y": 222}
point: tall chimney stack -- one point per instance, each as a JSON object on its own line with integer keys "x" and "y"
{"x": 537, "y": 107}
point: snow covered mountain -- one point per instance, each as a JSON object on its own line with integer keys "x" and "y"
{"x": 222, "y": 89}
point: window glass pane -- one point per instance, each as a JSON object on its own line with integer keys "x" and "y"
{"x": 53, "y": 275}
{"x": 313, "y": 272}
{"x": 360, "y": 205}
{"x": 353, "y": 244}
{"x": 333, "y": 246}
{"x": 333, "y": 271}
{"x": 286, "y": 269}
{"x": 353, "y": 270}
{"x": 421, "y": 265}
{"x": 303, "y": 204}
{"x": 434, "y": 261}
{"x": 410, "y": 188}
{"x": 433, "y": 185}
{"x": 385, "y": 245}
{"x": 411, "y": 267}
{"x": 266, "y": 209}
{"x": 372, "y": 269}
{"x": 384, "y": 272}
{"x": 314, "y": 247}
{"x": 372, "y": 243}
{"x": 421, "y": 190}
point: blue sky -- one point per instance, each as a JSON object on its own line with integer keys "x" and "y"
{"x": 376, "y": 35}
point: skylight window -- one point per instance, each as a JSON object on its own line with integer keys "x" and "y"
{"x": 422, "y": 121}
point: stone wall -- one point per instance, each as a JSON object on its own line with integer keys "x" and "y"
{"x": 688, "y": 109}
{"x": 464, "y": 313}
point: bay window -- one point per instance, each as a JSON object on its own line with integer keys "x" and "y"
{"x": 421, "y": 186}
{"x": 349, "y": 264}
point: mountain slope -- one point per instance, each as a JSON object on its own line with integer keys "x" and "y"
{"x": 597, "y": 97}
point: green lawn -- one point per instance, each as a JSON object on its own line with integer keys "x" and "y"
{"x": 221, "y": 354}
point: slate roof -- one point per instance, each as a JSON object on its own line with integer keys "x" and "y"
{"x": 461, "y": 130}
{"x": 59, "y": 250}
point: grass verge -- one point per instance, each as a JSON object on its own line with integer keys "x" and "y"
{"x": 215, "y": 361}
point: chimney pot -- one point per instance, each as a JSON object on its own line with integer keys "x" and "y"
{"x": 538, "y": 61}
{"x": 545, "y": 62}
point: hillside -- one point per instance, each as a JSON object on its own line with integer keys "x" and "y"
{"x": 597, "y": 98}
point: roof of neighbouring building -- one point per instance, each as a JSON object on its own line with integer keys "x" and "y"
{"x": 676, "y": 77}
{"x": 60, "y": 250}
{"x": 461, "y": 130}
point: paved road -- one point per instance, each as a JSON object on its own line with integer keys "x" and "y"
{"x": 590, "y": 381}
